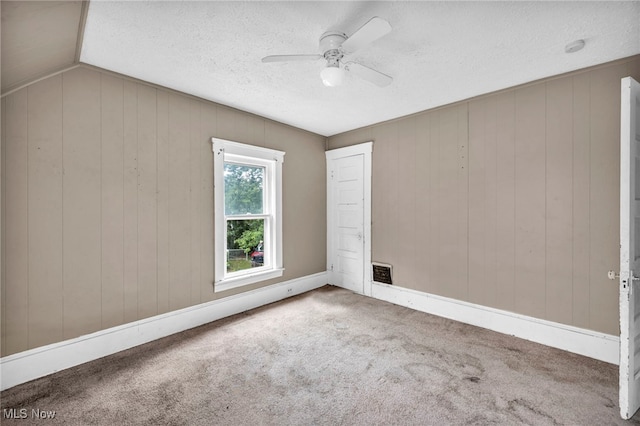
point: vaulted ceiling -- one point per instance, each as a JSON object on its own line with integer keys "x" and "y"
{"x": 436, "y": 52}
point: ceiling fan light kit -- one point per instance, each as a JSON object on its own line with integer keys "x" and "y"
{"x": 334, "y": 45}
{"x": 332, "y": 76}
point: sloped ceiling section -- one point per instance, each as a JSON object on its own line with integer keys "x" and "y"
{"x": 38, "y": 38}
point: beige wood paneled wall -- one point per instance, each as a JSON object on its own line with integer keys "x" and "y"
{"x": 107, "y": 203}
{"x": 509, "y": 200}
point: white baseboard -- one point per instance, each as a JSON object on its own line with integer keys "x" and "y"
{"x": 604, "y": 347}
{"x": 34, "y": 363}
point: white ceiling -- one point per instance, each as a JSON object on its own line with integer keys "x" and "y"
{"x": 437, "y": 52}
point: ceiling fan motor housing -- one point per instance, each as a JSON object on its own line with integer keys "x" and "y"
{"x": 330, "y": 43}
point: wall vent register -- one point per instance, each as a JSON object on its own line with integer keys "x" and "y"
{"x": 382, "y": 273}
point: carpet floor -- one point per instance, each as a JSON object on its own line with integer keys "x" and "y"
{"x": 328, "y": 357}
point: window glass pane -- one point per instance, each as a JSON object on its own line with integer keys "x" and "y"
{"x": 245, "y": 244}
{"x": 243, "y": 189}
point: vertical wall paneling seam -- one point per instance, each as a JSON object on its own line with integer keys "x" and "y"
{"x": 589, "y": 207}
{"x": 27, "y": 212}
{"x": 189, "y": 138}
{"x": 515, "y": 223}
{"x": 199, "y": 185}
{"x": 190, "y": 204}
{"x": 468, "y": 162}
{"x": 438, "y": 210}
{"x": 101, "y": 210}
{"x": 573, "y": 184}
{"x": 573, "y": 204}
{"x": 515, "y": 195}
{"x": 124, "y": 162}
{"x": 546, "y": 219}
{"x": 137, "y": 192}
{"x": 3, "y": 249}
{"x": 416, "y": 164}
{"x": 193, "y": 186}
{"x": 62, "y": 79}
{"x": 2, "y": 281}
{"x": 200, "y": 200}
{"x": 157, "y": 207}
{"x": 137, "y": 198}
{"x": 3, "y": 203}
{"x": 169, "y": 283}
{"x": 201, "y": 197}
{"x": 494, "y": 112}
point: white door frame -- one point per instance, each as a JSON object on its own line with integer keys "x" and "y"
{"x": 366, "y": 150}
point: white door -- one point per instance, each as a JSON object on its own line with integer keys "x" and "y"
{"x": 348, "y": 226}
{"x": 629, "y": 248}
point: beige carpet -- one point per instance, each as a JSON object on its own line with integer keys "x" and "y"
{"x": 329, "y": 357}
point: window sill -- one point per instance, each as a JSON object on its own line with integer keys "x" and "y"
{"x": 234, "y": 282}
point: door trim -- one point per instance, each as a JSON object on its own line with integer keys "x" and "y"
{"x": 365, "y": 149}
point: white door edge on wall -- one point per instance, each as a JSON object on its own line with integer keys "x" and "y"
{"x": 629, "y": 283}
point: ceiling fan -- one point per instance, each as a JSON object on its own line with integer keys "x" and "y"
{"x": 335, "y": 45}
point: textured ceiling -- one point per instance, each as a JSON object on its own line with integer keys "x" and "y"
{"x": 437, "y": 52}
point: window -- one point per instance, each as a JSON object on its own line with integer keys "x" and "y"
{"x": 248, "y": 213}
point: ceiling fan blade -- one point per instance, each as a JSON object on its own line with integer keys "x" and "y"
{"x": 374, "y": 29}
{"x": 286, "y": 58}
{"x": 366, "y": 73}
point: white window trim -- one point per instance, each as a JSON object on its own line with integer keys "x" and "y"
{"x": 274, "y": 160}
